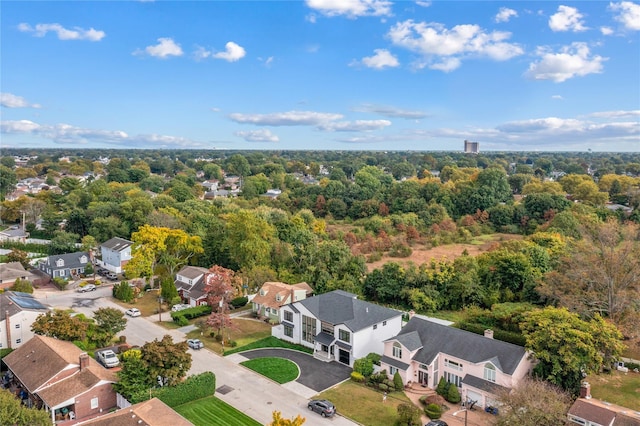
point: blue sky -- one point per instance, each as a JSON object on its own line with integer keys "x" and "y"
{"x": 321, "y": 74}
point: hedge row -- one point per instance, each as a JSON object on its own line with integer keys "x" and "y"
{"x": 505, "y": 336}
{"x": 193, "y": 388}
{"x": 182, "y": 316}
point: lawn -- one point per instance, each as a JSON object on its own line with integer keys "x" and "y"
{"x": 246, "y": 331}
{"x": 277, "y": 369}
{"x": 213, "y": 411}
{"x": 617, "y": 388}
{"x": 364, "y": 404}
{"x": 148, "y": 304}
{"x": 268, "y": 342}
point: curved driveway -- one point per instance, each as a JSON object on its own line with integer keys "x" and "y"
{"x": 314, "y": 374}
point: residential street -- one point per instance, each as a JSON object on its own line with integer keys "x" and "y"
{"x": 245, "y": 390}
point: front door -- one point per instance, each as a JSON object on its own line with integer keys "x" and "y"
{"x": 344, "y": 357}
{"x": 423, "y": 377}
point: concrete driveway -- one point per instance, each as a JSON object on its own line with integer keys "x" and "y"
{"x": 314, "y": 374}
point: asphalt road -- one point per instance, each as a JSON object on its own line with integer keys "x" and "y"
{"x": 247, "y": 391}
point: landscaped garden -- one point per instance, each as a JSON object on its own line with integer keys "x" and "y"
{"x": 212, "y": 411}
{"x": 277, "y": 369}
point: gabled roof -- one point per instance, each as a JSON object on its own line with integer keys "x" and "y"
{"x": 42, "y": 358}
{"x": 409, "y": 340}
{"x": 461, "y": 344}
{"x": 148, "y": 413}
{"x": 269, "y": 292}
{"x": 14, "y": 233}
{"x": 341, "y": 307}
{"x": 71, "y": 260}
{"x": 13, "y": 270}
{"x": 192, "y": 272}
{"x": 592, "y": 412}
{"x": 117, "y": 244}
{"x": 481, "y": 384}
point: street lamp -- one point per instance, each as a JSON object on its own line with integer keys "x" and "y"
{"x": 465, "y": 415}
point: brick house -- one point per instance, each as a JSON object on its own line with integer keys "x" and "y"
{"x": 61, "y": 378}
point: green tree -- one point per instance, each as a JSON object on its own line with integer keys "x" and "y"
{"x": 123, "y": 291}
{"x": 13, "y": 413}
{"x": 23, "y": 286}
{"x": 134, "y": 378}
{"x": 453, "y": 395}
{"x": 167, "y": 361}
{"x": 108, "y": 323}
{"x": 168, "y": 290}
{"x": 17, "y": 255}
{"x": 567, "y": 347}
{"x": 409, "y": 414}
{"x": 8, "y": 181}
{"x": 63, "y": 242}
{"x": 397, "y": 381}
{"x": 61, "y": 325}
{"x": 248, "y": 238}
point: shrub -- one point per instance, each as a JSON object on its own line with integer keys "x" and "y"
{"x": 23, "y": 286}
{"x": 390, "y": 384}
{"x": 383, "y": 387}
{"x": 122, "y": 291}
{"x": 379, "y": 377}
{"x": 433, "y": 411}
{"x": 191, "y": 313}
{"x": 374, "y": 357}
{"x": 400, "y": 250}
{"x": 193, "y": 388}
{"x": 453, "y": 395}
{"x": 443, "y": 387}
{"x": 423, "y": 399}
{"x": 363, "y": 366}
{"x": 181, "y": 321}
{"x": 61, "y": 283}
{"x": 239, "y": 302}
{"x": 357, "y": 377}
{"x": 397, "y": 381}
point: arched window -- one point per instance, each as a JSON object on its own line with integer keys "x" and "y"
{"x": 489, "y": 372}
{"x": 397, "y": 350}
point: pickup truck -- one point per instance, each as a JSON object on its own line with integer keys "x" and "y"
{"x": 108, "y": 358}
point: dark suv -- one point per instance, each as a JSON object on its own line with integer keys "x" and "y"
{"x": 322, "y": 406}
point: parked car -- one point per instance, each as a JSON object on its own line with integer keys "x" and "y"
{"x": 108, "y": 358}
{"x": 133, "y": 312}
{"x": 322, "y": 406}
{"x": 88, "y": 287}
{"x": 112, "y": 276}
{"x": 102, "y": 271}
{"x": 195, "y": 344}
{"x": 179, "y": 307}
{"x": 437, "y": 423}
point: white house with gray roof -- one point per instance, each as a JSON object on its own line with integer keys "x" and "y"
{"x": 425, "y": 351}
{"x": 338, "y": 326}
{"x": 116, "y": 253}
{"x": 18, "y": 311}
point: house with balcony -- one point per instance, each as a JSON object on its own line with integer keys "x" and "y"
{"x": 338, "y": 326}
{"x": 274, "y": 295}
{"x": 66, "y": 265}
{"x": 59, "y": 377}
{"x": 425, "y": 351}
{"x": 115, "y": 253}
{"x": 18, "y": 311}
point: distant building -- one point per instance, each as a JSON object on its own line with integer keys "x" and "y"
{"x": 471, "y": 147}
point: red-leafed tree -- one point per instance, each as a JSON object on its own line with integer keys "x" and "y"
{"x": 219, "y": 286}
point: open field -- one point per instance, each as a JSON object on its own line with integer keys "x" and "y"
{"x": 277, "y": 369}
{"x": 422, "y": 254}
{"x": 211, "y": 411}
{"x": 618, "y": 388}
{"x": 364, "y": 404}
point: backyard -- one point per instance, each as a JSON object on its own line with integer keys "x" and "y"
{"x": 618, "y": 388}
{"x": 211, "y": 411}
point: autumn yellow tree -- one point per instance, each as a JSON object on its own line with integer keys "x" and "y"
{"x": 279, "y": 421}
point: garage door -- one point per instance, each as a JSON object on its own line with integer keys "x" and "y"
{"x": 344, "y": 356}
{"x": 475, "y": 397}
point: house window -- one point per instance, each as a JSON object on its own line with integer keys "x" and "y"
{"x": 392, "y": 370}
{"x": 17, "y": 325}
{"x": 424, "y": 367}
{"x": 384, "y": 323}
{"x": 18, "y": 341}
{"x": 278, "y": 298}
{"x": 288, "y": 316}
{"x": 453, "y": 379}
{"x": 452, "y": 365}
{"x": 577, "y": 420}
{"x": 59, "y": 262}
{"x": 288, "y": 331}
{"x": 308, "y": 328}
{"x": 489, "y": 372}
{"x": 344, "y": 335}
{"x": 375, "y": 326}
{"x": 94, "y": 403}
{"x": 327, "y": 327}
{"x": 397, "y": 350}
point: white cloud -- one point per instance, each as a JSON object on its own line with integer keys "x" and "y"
{"x": 351, "y": 8}
{"x": 201, "y": 53}
{"x": 9, "y": 100}
{"x": 557, "y": 97}
{"x": 423, "y": 3}
{"x": 567, "y": 19}
{"x": 572, "y": 61}
{"x": 67, "y": 134}
{"x": 389, "y": 111}
{"x": 616, "y": 114}
{"x": 444, "y": 49}
{"x": 77, "y": 33}
{"x": 165, "y": 48}
{"x": 262, "y": 135}
{"x": 628, "y": 14}
{"x": 311, "y": 18}
{"x": 382, "y": 59}
{"x": 505, "y": 14}
{"x": 606, "y": 31}
{"x": 233, "y": 52}
{"x": 353, "y": 126}
{"x": 290, "y": 118}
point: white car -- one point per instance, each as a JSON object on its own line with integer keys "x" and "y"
{"x": 88, "y": 287}
{"x": 133, "y": 312}
{"x": 195, "y": 343}
{"x": 179, "y": 307}
{"x": 108, "y": 358}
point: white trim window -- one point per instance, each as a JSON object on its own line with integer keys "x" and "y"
{"x": 452, "y": 365}
{"x": 94, "y": 403}
{"x": 392, "y": 370}
{"x": 453, "y": 379}
{"x": 397, "y": 350}
{"x": 490, "y": 372}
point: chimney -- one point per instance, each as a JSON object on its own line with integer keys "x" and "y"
{"x": 8, "y": 320}
{"x": 585, "y": 390}
{"x": 84, "y": 361}
{"x": 488, "y": 333}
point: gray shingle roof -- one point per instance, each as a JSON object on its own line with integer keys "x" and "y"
{"x": 340, "y": 307}
{"x": 117, "y": 244}
{"x": 71, "y": 260}
{"x": 394, "y": 362}
{"x": 462, "y": 344}
{"x": 410, "y": 340}
{"x": 482, "y": 384}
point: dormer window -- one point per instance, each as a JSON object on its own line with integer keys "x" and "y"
{"x": 490, "y": 372}
{"x": 262, "y": 292}
{"x": 83, "y": 259}
{"x": 278, "y": 298}
{"x": 60, "y": 263}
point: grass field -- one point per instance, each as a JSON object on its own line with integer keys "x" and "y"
{"x": 211, "y": 411}
{"x": 364, "y": 404}
{"x": 269, "y": 342}
{"x": 277, "y": 369}
{"x": 246, "y": 331}
{"x": 617, "y": 388}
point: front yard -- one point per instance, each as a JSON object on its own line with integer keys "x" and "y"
{"x": 211, "y": 411}
{"x": 364, "y": 404}
{"x": 617, "y": 388}
{"x": 246, "y": 331}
